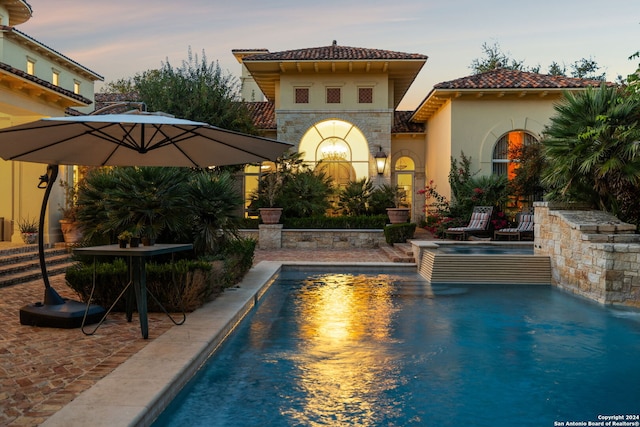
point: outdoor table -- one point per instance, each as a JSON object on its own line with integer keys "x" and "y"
{"x": 137, "y": 276}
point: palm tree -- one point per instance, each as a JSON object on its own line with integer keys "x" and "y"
{"x": 592, "y": 151}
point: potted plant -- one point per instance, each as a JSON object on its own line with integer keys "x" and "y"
{"x": 124, "y": 238}
{"x": 399, "y": 213}
{"x": 270, "y": 187}
{"x": 29, "y": 230}
{"x": 71, "y": 230}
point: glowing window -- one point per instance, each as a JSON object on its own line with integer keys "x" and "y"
{"x": 76, "y": 87}
{"x": 507, "y": 151}
{"x": 55, "y": 78}
{"x": 31, "y": 66}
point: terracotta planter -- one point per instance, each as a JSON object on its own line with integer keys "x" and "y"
{"x": 270, "y": 215}
{"x": 71, "y": 232}
{"x": 398, "y": 215}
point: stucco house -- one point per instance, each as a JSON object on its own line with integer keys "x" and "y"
{"x": 338, "y": 104}
{"x": 35, "y": 81}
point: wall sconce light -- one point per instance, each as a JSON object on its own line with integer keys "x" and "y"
{"x": 381, "y": 161}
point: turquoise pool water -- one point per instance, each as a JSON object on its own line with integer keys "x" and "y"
{"x": 389, "y": 350}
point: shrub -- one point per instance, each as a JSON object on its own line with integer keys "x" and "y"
{"x": 399, "y": 233}
{"x": 355, "y": 197}
{"x": 238, "y": 259}
{"x": 182, "y": 284}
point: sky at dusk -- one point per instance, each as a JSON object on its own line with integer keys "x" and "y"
{"x": 119, "y": 38}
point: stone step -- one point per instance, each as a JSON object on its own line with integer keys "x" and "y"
{"x": 397, "y": 255}
{"x": 22, "y": 264}
{"x": 491, "y": 269}
{"x": 34, "y": 274}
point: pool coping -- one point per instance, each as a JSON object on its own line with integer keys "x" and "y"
{"x": 138, "y": 390}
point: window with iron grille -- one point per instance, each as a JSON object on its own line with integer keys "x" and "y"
{"x": 365, "y": 95}
{"x": 302, "y": 95}
{"x": 506, "y": 151}
{"x": 333, "y": 95}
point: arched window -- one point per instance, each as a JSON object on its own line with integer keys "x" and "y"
{"x": 506, "y": 152}
{"x": 339, "y": 148}
{"x": 404, "y": 172}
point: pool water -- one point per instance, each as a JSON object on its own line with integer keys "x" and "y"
{"x": 390, "y": 350}
{"x": 476, "y": 249}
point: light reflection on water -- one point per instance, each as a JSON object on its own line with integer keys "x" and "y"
{"x": 344, "y": 373}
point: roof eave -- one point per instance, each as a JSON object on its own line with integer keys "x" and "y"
{"x": 47, "y": 51}
{"x": 439, "y": 96}
{"x": 33, "y": 88}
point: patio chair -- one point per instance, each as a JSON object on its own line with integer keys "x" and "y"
{"x": 524, "y": 230}
{"x": 478, "y": 224}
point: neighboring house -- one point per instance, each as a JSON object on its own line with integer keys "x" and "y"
{"x": 337, "y": 104}
{"x": 35, "y": 81}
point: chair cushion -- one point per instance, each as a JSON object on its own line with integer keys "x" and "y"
{"x": 479, "y": 221}
{"x": 526, "y": 223}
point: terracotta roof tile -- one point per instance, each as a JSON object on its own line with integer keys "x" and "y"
{"x": 503, "y": 78}
{"x": 401, "y": 123}
{"x": 334, "y": 52}
{"x": 263, "y": 114}
{"x": 8, "y": 68}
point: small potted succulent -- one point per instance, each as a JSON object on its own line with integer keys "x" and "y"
{"x": 124, "y": 238}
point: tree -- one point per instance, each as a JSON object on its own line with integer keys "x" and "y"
{"x": 197, "y": 90}
{"x": 494, "y": 58}
{"x": 633, "y": 80}
{"x": 586, "y": 69}
{"x": 556, "y": 69}
{"x": 592, "y": 151}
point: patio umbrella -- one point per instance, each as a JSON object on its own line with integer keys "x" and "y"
{"x": 131, "y": 139}
{"x": 136, "y": 139}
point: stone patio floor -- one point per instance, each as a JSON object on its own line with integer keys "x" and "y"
{"x": 43, "y": 369}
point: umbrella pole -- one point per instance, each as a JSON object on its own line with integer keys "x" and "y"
{"x": 51, "y": 297}
{"x": 56, "y": 312}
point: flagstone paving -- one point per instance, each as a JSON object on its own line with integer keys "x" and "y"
{"x": 43, "y": 369}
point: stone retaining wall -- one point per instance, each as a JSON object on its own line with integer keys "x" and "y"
{"x": 592, "y": 253}
{"x": 273, "y": 237}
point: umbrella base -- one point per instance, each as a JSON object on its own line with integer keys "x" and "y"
{"x": 67, "y": 315}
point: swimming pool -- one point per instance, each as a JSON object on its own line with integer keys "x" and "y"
{"x": 384, "y": 350}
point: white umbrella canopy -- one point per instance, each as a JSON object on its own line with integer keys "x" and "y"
{"x": 140, "y": 139}
{"x": 132, "y": 139}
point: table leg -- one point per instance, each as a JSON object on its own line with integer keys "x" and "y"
{"x": 140, "y": 286}
{"x": 130, "y": 298}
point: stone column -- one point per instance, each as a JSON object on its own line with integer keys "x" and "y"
{"x": 270, "y": 236}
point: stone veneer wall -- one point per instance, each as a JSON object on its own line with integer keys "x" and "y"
{"x": 318, "y": 238}
{"x": 593, "y": 254}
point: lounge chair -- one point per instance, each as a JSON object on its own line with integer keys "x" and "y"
{"x": 478, "y": 224}
{"x": 524, "y": 230}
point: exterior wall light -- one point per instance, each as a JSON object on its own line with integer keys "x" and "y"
{"x": 381, "y": 161}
